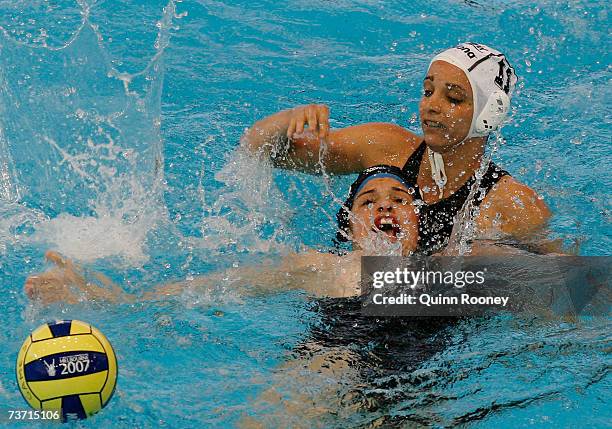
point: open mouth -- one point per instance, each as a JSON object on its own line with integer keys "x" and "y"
{"x": 388, "y": 225}
{"x": 433, "y": 124}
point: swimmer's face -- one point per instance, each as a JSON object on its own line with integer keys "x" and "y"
{"x": 447, "y": 105}
{"x": 384, "y": 206}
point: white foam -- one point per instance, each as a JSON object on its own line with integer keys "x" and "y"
{"x": 89, "y": 238}
{"x": 123, "y": 217}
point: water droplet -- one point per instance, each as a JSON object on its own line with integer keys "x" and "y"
{"x": 538, "y": 166}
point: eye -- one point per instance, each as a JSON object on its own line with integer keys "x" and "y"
{"x": 400, "y": 200}
{"x": 427, "y": 92}
{"x": 454, "y": 100}
{"x": 367, "y": 203}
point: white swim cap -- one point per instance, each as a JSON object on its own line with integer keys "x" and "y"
{"x": 492, "y": 79}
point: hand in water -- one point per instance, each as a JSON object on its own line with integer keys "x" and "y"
{"x": 316, "y": 116}
{"x": 65, "y": 282}
{"x": 57, "y": 283}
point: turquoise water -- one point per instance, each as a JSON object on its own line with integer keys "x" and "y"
{"x": 119, "y": 123}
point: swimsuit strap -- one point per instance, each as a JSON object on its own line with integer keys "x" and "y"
{"x": 436, "y": 220}
{"x": 411, "y": 168}
{"x": 490, "y": 178}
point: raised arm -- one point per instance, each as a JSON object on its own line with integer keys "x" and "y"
{"x": 300, "y": 139}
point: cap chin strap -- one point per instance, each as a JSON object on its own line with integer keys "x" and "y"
{"x": 438, "y": 174}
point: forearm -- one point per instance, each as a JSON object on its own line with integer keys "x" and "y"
{"x": 268, "y": 135}
{"x": 246, "y": 281}
{"x": 292, "y": 139}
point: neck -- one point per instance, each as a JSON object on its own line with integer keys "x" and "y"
{"x": 460, "y": 163}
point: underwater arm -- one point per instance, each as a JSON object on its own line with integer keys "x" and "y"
{"x": 300, "y": 139}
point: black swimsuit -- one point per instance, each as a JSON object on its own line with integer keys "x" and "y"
{"x": 436, "y": 220}
{"x": 388, "y": 345}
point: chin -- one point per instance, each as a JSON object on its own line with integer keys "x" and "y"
{"x": 436, "y": 141}
{"x": 439, "y": 142}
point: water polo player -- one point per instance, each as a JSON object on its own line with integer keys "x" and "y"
{"x": 466, "y": 96}
{"x": 377, "y": 218}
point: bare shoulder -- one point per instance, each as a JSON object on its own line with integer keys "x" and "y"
{"x": 392, "y": 145}
{"x": 515, "y": 207}
{"x": 376, "y": 143}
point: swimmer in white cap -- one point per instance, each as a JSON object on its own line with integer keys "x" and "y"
{"x": 466, "y": 95}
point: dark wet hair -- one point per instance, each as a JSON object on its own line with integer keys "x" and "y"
{"x": 342, "y": 216}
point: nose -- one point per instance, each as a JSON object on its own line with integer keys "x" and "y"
{"x": 431, "y": 104}
{"x": 385, "y": 205}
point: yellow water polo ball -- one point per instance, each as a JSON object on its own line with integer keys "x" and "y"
{"x": 67, "y": 366}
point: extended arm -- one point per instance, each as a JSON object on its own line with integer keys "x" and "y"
{"x": 300, "y": 139}
{"x": 312, "y": 272}
{"x": 67, "y": 282}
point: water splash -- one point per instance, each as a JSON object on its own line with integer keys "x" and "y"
{"x": 464, "y": 228}
{"x": 16, "y": 222}
{"x": 119, "y": 227}
{"x": 249, "y": 214}
{"x": 80, "y": 134}
{"x": 9, "y": 191}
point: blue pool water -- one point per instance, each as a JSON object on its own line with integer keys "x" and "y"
{"x": 119, "y": 127}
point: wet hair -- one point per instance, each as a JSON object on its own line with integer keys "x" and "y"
{"x": 375, "y": 172}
